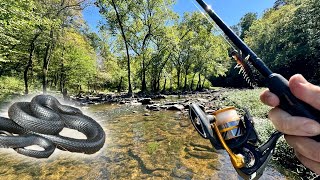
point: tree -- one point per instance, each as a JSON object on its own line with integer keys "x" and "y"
{"x": 149, "y": 20}
{"x": 117, "y": 16}
{"x": 245, "y": 23}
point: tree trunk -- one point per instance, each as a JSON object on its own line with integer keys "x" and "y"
{"x": 158, "y": 82}
{"x": 62, "y": 72}
{"x": 144, "y": 85}
{"x": 164, "y": 85}
{"x": 171, "y": 88}
{"x": 29, "y": 65}
{"x": 126, "y": 45}
{"x": 191, "y": 85}
{"x": 199, "y": 82}
{"x": 203, "y": 83}
{"x": 45, "y": 69}
{"x": 46, "y": 61}
{"x": 178, "y": 74}
{"x": 185, "y": 80}
{"x": 119, "y": 86}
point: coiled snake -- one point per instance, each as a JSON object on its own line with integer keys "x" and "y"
{"x": 40, "y": 121}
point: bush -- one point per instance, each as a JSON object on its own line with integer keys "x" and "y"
{"x": 10, "y": 86}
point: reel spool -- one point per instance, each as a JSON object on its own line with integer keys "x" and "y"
{"x": 226, "y": 130}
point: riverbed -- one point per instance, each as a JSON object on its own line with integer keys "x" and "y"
{"x": 162, "y": 145}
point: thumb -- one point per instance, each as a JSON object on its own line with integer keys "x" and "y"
{"x": 305, "y": 91}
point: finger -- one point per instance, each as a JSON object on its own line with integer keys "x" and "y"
{"x": 293, "y": 125}
{"x": 305, "y": 91}
{"x": 307, "y": 147}
{"x": 312, "y": 165}
{"x": 269, "y": 98}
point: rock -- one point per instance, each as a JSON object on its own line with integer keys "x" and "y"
{"x": 182, "y": 172}
{"x": 203, "y": 100}
{"x": 147, "y": 114}
{"x": 145, "y": 101}
{"x": 201, "y": 145}
{"x": 134, "y": 112}
{"x": 153, "y": 107}
{"x": 186, "y": 105}
{"x": 215, "y": 165}
{"x": 176, "y": 107}
{"x": 135, "y": 104}
{"x": 164, "y": 107}
{"x": 170, "y": 103}
{"x": 161, "y": 174}
{"x": 184, "y": 123}
{"x": 160, "y": 138}
{"x": 203, "y": 154}
{"x": 90, "y": 102}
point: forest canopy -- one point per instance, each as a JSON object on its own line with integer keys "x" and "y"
{"x": 145, "y": 46}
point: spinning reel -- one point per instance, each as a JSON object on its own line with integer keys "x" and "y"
{"x": 226, "y": 130}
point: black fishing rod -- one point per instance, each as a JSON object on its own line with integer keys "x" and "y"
{"x": 226, "y": 130}
{"x": 276, "y": 83}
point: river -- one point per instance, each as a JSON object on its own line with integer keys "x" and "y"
{"x": 162, "y": 145}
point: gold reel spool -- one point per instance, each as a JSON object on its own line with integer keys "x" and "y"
{"x": 226, "y": 126}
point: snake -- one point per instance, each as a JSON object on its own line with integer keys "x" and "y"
{"x": 40, "y": 121}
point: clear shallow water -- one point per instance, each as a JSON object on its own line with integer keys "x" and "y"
{"x": 161, "y": 146}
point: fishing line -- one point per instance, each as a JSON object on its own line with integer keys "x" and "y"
{"x": 213, "y": 24}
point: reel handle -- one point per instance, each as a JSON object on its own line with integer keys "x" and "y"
{"x": 278, "y": 85}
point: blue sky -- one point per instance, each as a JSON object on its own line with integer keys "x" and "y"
{"x": 230, "y": 11}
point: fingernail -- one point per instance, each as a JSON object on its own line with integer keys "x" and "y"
{"x": 312, "y": 128}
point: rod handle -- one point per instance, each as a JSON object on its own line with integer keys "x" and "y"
{"x": 278, "y": 85}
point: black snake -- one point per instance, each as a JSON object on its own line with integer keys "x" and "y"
{"x": 40, "y": 121}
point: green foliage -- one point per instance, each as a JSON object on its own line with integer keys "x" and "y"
{"x": 33, "y": 43}
{"x": 152, "y": 147}
{"x": 246, "y": 22}
{"x": 247, "y": 99}
{"x": 80, "y": 61}
{"x": 286, "y": 39}
{"x": 9, "y": 86}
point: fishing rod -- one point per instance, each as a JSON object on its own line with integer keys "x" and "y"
{"x": 227, "y": 130}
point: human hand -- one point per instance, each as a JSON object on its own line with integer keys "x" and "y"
{"x": 298, "y": 128}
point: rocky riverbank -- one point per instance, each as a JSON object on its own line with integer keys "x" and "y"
{"x": 209, "y": 100}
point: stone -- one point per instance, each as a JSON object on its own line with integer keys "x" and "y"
{"x": 147, "y": 114}
{"x": 135, "y": 104}
{"x": 145, "y": 101}
{"x": 153, "y": 107}
{"x": 184, "y": 123}
{"x": 203, "y": 154}
{"x": 182, "y": 172}
{"x": 176, "y": 107}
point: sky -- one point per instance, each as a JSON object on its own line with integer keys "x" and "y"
{"x": 230, "y": 11}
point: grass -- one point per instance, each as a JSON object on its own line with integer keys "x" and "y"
{"x": 247, "y": 99}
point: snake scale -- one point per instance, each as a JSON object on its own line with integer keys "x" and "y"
{"x": 40, "y": 121}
